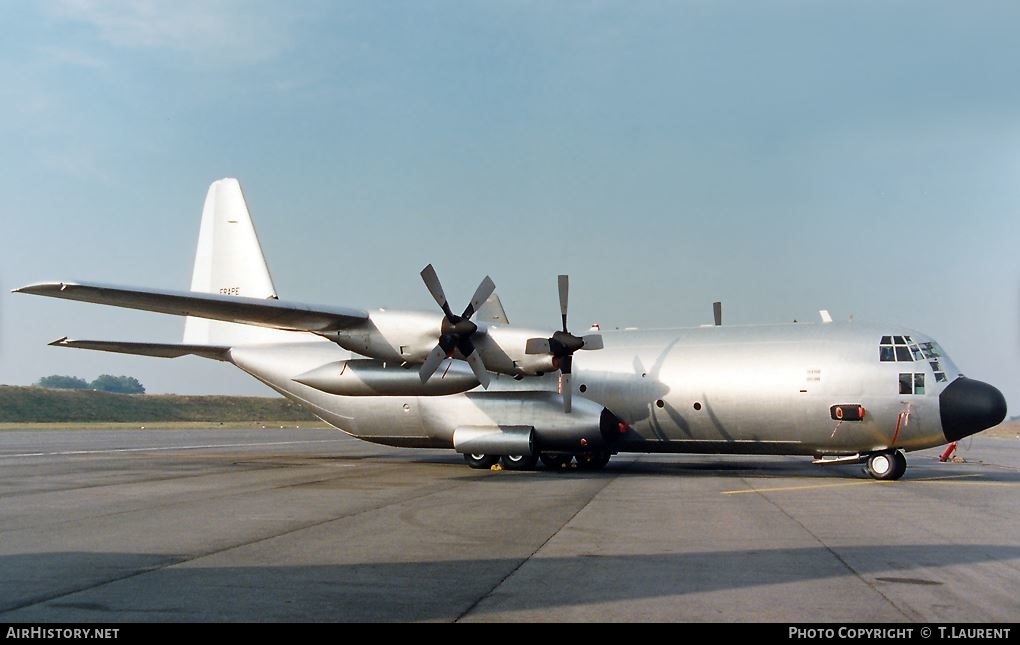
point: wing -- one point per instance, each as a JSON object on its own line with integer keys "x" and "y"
{"x": 276, "y": 314}
{"x": 159, "y": 350}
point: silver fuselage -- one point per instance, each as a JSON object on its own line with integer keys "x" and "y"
{"x": 765, "y": 389}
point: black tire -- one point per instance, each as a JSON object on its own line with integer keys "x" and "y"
{"x": 901, "y": 464}
{"x": 887, "y": 466}
{"x": 518, "y": 462}
{"x": 555, "y": 461}
{"x": 481, "y": 462}
{"x": 595, "y": 460}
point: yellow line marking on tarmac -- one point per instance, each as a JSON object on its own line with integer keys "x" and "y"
{"x": 928, "y": 480}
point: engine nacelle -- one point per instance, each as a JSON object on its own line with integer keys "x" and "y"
{"x": 365, "y": 377}
{"x": 591, "y": 433}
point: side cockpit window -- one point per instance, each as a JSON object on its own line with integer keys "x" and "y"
{"x": 911, "y": 383}
{"x": 906, "y": 383}
{"x": 899, "y": 349}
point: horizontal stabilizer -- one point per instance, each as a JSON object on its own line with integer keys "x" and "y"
{"x": 275, "y": 314}
{"x": 159, "y": 350}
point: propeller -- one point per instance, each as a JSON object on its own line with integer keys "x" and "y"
{"x": 563, "y": 344}
{"x": 456, "y": 331}
{"x": 717, "y": 313}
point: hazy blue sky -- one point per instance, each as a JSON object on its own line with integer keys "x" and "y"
{"x": 780, "y": 156}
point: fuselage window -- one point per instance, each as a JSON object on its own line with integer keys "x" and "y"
{"x": 911, "y": 383}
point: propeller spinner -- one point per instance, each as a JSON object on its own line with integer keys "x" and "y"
{"x": 563, "y": 344}
{"x": 456, "y": 331}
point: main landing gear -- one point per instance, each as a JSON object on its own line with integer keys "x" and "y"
{"x": 886, "y": 466}
{"x": 587, "y": 461}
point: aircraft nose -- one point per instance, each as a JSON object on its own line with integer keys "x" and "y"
{"x": 968, "y": 406}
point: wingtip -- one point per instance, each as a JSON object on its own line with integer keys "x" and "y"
{"x": 60, "y": 342}
{"x": 42, "y": 287}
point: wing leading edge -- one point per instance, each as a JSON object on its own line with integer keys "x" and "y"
{"x": 274, "y": 314}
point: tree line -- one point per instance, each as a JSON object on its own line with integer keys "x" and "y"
{"x": 103, "y": 383}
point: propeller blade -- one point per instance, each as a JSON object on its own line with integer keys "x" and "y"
{"x": 564, "y": 285}
{"x": 482, "y": 294}
{"x": 592, "y": 341}
{"x": 467, "y": 348}
{"x": 431, "y": 364}
{"x": 566, "y": 391}
{"x": 428, "y": 275}
{"x": 537, "y": 346}
{"x": 717, "y": 313}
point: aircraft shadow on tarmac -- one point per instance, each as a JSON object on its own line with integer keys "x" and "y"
{"x": 75, "y": 586}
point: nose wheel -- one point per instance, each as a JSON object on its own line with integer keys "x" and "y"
{"x": 887, "y": 466}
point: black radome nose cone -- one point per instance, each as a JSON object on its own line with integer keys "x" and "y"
{"x": 968, "y": 406}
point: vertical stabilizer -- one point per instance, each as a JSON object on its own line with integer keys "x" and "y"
{"x": 229, "y": 261}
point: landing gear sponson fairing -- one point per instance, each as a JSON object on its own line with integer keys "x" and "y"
{"x": 840, "y": 392}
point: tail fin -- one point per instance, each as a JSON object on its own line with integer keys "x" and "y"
{"x": 229, "y": 261}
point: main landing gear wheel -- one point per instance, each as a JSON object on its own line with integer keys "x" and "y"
{"x": 887, "y": 466}
{"x": 482, "y": 462}
{"x": 595, "y": 460}
{"x": 554, "y": 461}
{"x": 518, "y": 462}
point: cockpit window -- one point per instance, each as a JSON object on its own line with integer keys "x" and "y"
{"x": 896, "y": 349}
{"x": 931, "y": 351}
{"x": 911, "y": 383}
{"x": 906, "y": 383}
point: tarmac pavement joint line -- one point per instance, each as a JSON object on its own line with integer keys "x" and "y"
{"x": 174, "y": 561}
{"x": 906, "y": 613}
{"x": 541, "y": 546}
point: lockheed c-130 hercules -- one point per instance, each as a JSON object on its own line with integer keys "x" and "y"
{"x": 841, "y": 392}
